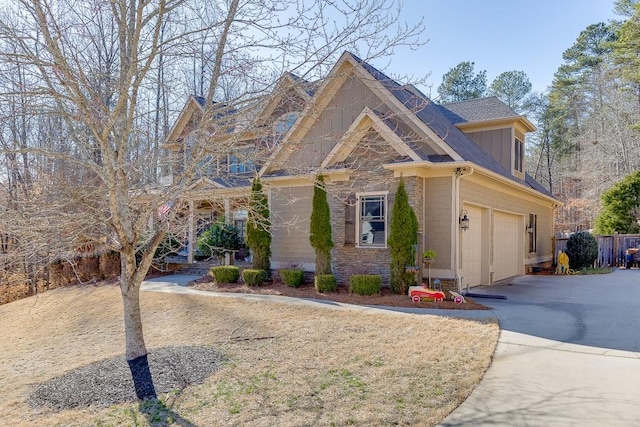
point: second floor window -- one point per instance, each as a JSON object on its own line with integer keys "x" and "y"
{"x": 239, "y": 165}
{"x": 518, "y": 156}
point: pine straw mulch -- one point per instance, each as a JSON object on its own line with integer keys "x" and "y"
{"x": 342, "y": 295}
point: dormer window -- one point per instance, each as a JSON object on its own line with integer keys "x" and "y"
{"x": 518, "y": 157}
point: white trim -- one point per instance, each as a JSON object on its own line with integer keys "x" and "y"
{"x": 366, "y": 119}
{"x": 321, "y": 99}
{"x": 360, "y": 195}
{"x": 183, "y": 119}
{"x": 204, "y": 180}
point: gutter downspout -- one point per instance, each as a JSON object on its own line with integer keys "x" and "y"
{"x": 455, "y": 216}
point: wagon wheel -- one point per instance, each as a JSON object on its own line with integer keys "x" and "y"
{"x": 415, "y": 298}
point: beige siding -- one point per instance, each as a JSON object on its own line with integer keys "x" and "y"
{"x": 290, "y": 213}
{"x": 473, "y": 248}
{"x": 497, "y": 143}
{"x": 334, "y": 120}
{"x": 476, "y": 191}
{"x": 437, "y": 220}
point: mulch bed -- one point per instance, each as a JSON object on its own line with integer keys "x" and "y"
{"x": 108, "y": 382}
{"x": 307, "y": 290}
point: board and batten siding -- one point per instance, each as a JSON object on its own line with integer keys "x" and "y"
{"x": 497, "y": 143}
{"x": 290, "y": 209}
{"x": 334, "y": 121}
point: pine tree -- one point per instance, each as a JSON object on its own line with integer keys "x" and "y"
{"x": 259, "y": 227}
{"x": 403, "y": 235}
{"x": 320, "y": 228}
{"x": 461, "y": 83}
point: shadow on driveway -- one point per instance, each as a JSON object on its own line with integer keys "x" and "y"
{"x": 594, "y": 310}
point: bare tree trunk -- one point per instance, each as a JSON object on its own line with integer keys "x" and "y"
{"x": 135, "y": 350}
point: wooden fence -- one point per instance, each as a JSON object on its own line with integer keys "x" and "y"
{"x": 610, "y": 248}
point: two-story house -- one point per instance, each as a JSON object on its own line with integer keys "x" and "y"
{"x": 463, "y": 166}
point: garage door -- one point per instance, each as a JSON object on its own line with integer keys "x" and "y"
{"x": 472, "y": 249}
{"x": 507, "y": 245}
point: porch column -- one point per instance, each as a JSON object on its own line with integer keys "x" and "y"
{"x": 191, "y": 235}
{"x": 228, "y": 219}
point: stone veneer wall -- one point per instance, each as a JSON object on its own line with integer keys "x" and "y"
{"x": 369, "y": 176}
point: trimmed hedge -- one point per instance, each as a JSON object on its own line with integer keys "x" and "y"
{"x": 325, "y": 283}
{"x": 225, "y": 273}
{"x": 292, "y": 277}
{"x": 365, "y": 284}
{"x": 254, "y": 277}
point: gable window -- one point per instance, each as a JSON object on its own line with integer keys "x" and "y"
{"x": 238, "y": 166}
{"x": 518, "y": 156}
{"x": 372, "y": 220}
{"x": 532, "y": 229}
{"x": 284, "y": 123}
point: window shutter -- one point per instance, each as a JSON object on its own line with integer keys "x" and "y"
{"x": 350, "y": 220}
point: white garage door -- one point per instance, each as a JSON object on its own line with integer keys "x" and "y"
{"x": 472, "y": 249}
{"x": 507, "y": 245}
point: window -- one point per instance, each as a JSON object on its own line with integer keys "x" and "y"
{"x": 237, "y": 166}
{"x": 372, "y": 220}
{"x": 240, "y": 222}
{"x": 284, "y": 123}
{"x": 518, "y": 156}
{"x": 532, "y": 229}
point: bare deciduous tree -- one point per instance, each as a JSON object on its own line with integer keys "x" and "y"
{"x": 93, "y": 78}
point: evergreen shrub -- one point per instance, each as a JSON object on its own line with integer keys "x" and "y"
{"x": 325, "y": 283}
{"x": 254, "y": 277}
{"x": 292, "y": 277}
{"x": 225, "y": 273}
{"x": 365, "y": 284}
{"x": 582, "y": 250}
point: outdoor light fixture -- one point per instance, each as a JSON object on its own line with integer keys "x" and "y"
{"x": 464, "y": 220}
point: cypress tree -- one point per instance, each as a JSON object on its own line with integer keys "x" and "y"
{"x": 320, "y": 228}
{"x": 403, "y": 235}
{"x": 259, "y": 227}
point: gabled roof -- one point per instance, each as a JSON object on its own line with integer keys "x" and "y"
{"x": 304, "y": 89}
{"x": 478, "y": 110}
{"x": 439, "y": 119}
{"x": 483, "y": 110}
{"x": 438, "y": 122}
{"x": 432, "y": 115}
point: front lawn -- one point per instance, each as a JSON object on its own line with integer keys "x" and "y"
{"x": 281, "y": 364}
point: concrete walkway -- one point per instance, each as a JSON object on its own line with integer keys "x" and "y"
{"x": 568, "y": 352}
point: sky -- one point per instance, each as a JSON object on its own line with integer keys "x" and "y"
{"x": 497, "y": 35}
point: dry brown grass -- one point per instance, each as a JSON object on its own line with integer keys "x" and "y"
{"x": 323, "y": 366}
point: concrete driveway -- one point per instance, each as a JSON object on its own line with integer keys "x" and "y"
{"x": 568, "y": 354}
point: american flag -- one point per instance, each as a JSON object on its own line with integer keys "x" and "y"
{"x": 163, "y": 210}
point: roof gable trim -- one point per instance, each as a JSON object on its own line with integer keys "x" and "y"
{"x": 366, "y": 120}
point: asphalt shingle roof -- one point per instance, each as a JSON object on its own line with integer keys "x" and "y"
{"x": 440, "y": 120}
{"x": 478, "y": 110}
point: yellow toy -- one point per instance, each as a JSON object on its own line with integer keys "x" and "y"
{"x": 563, "y": 264}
